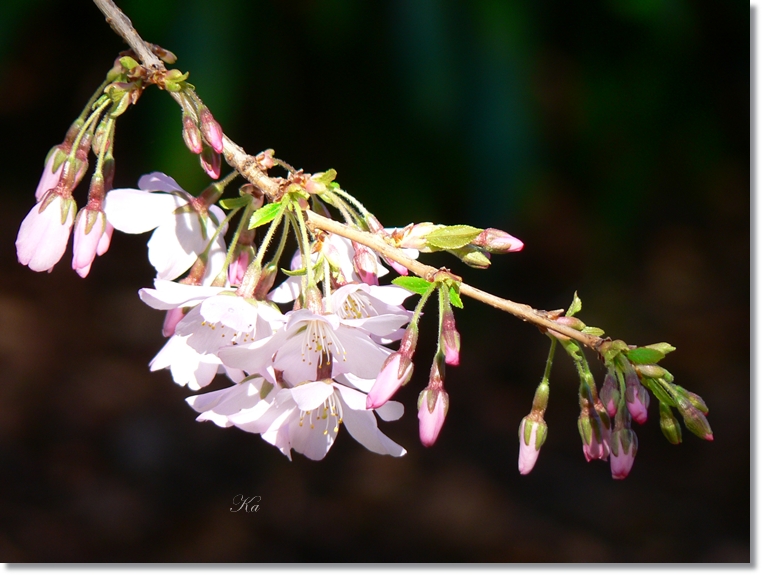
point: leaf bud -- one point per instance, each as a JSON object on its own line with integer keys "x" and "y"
{"x": 651, "y": 370}
{"x": 472, "y": 257}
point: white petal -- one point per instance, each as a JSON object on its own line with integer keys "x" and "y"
{"x": 135, "y": 211}
{"x": 309, "y": 396}
{"x": 170, "y": 295}
{"x": 391, "y": 411}
{"x": 361, "y": 424}
{"x": 312, "y": 441}
{"x": 158, "y": 182}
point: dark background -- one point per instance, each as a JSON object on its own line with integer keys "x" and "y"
{"x": 610, "y": 136}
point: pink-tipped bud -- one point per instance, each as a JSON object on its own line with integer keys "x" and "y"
{"x": 532, "y": 434}
{"x": 365, "y": 264}
{"x": 694, "y": 420}
{"x": 192, "y": 135}
{"x": 211, "y": 129}
{"x": 433, "y": 404}
{"x": 450, "y": 338}
{"x": 171, "y": 320}
{"x": 396, "y": 372}
{"x": 44, "y": 233}
{"x": 238, "y": 267}
{"x": 498, "y": 241}
{"x": 595, "y": 434}
{"x": 89, "y": 230}
{"x": 636, "y": 396}
{"x": 210, "y": 162}
{"x": 624, "y": 447}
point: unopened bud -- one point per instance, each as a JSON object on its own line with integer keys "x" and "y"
{"x": 695, "y": 399}
{"x": 472, "y": 257}
{"x": 210, "y": 162}
{"x": 450, "y": 338}
{"x": 595, "y": 435}
{"x": 192, "y": 135}
{"x": 670, "y": 427}
{"x": 532, "y": 435}
{"x": 433, "y": 404}
{"x": 610, "y": 393}
{"x": 694, "y": 419}
{"x": 395, "y": 372}
{"x": 624, "y": 447}
{"x": 211, "y": 129}
{"x": 651, "y": 370}
{"x": 365, "y": 264}
{"x": 498, "y": 242}
{"x": 409, "y": 341}
{"x": 636, "y": 396}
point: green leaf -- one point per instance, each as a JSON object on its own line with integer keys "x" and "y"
{"x": 265, "y": 215}
{"x": 413, "y": 284}
{"x": 232, "y": 203}
{"x": 325, "y": 177}
{"x": 575, "y": 307}
{"x": 590, "y": 330}
{"x": 291, "y": 273}
{"x": 663, "y": 347}
{"x": 452, "y": 237}
{"x": 644, "y": 355}
{"x": 455, "y": 297}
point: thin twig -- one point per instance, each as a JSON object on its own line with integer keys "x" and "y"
{"x": 249, "y": 168}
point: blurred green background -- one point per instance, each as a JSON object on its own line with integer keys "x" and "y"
{"x": 610, "y": 136}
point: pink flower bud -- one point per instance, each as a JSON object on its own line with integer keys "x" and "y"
{"x": 532, "y": 435}
{"x": 624, "y": 447}
{"x": 596, "y": 436}
{"x": 238, "y": 267}
{"x": 636, "y": 396}
{"x": 44, "y": 233}
{"x": 192, "y": 135}
{"x": 498, "y": 241}
{"x": 396, "y": 372}
{"x": 210, "y": 162}
{"x": 365, "y": 264}
{"x": 432, "y": 409}
{"x": 211, "y": 129}
{"x": 89, "y": 231}
{"x": 450, "y": 338}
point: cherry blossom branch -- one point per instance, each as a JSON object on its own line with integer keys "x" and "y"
{"x": 249, "y": 168}
{"x": 520, "y": 310}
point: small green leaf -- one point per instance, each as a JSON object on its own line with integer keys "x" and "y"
{"x": 575, "y": 307}
{"x": 325, "y": 177}
{"x": 452, "y": 237}
{"x": 644, "y": 355}
{"x": 413, "y": 284}
{"x": 232, "y": 203}
{"x": 265, "y": 215}
{"x": 455, "y": 297}
{"x": 299, "y": 272}
{"x": 590, "y": 330}
{"x": 663, "y": 347}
